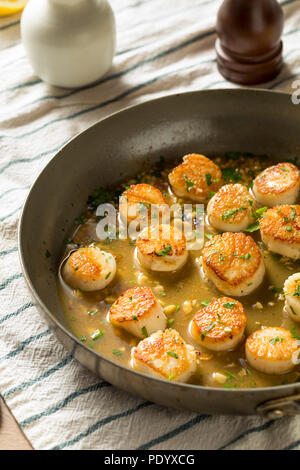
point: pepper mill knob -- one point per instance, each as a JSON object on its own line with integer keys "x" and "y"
{"x": 249, "y": 46}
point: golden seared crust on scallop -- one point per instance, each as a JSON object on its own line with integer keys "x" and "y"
{"x": 161, "y": 248}
{"x": 270, "y": 350}
{"x": 165, "y": 354}
{"x": 278, "y": 184}
{"x": 292, "y": 296}
{"x": 137, "y": 199}
{"x": 233, "y": 262}
{"x": 195, "y": 178}
{"x": 138, "y": 311}
{"x": 135, "y": 302}
{"x": 89, "y": 268}
{"x": 282, "y": 223}
{"x": 280, "y": 230}
{"x": 232, "y": 208}
{"x": 85, "y": 261}
{"x": 220, "y": 325}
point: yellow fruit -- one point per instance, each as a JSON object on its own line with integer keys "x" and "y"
{"x": 9, "y": 7}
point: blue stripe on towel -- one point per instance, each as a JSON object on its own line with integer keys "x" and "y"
{"x": 17, "y": 312}
{"x": 263, "y": 427}
{"x": 9, "y": 25}
{"x": 101, "y": 423}
{"x": 9, "y": 280}
{"x": 25, "y": 343}
{"x": 174, "y": 432}
{"x": 7, "y": 252}
{"x": 122, "y": 95}
{"x": 63, "y": 403}
{"x": 292, "y": 446}
{"x": 46, "y": 374}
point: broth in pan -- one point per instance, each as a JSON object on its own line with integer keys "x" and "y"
{"x": 176, "y": 295}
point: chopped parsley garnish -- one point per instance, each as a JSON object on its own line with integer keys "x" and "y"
{"x": 233, "y": 155}
{"x": 211, "y": 194}
{"x": 117, "y": 352}
{"x": 205, "y": 303}
{"x": 135, "y": 318}
{"x": 230, "y": 376}
{"x": 252, "y": 227}
{"x": 294, "y": 334}
{"x": 245, "y": 257}
{"x": 92, "y": 312}
{"x": 97, "y": 334}
{"x": 170, "y": 321}
{"x": 188, "y": 183}
{"x": 232, "y": 174}
{"x": 230, "y": 385}
{"x": 228, "y": 329}
{"x": 171, "y": 353}
{"x": 107, "y": 275}
{"x": 100, "y": 196}
{"x": 261, "y": 210}
{"x": 165, "y": 251}
{"x": 229, "y": 213}
{"x": 172, "y": 376}
{"x": 232, "y": 212}
{"x": 292, "y": 310}
{"x": 83, "y": 338}
{"x": 258, "y": 214}
{"x": 276, "y": 340}
{"x": 229, "y": 305}
{"x": 296, "y": 292}
{"x": 145, "y": 332}
{"x": 208, "y": 178}
{"x": 210, "y": 327}
{"x": 276, "y": 290}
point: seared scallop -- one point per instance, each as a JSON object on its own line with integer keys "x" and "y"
{"x": 292, "y": 296}
{"x": 220, "y": 325}
{"x": 278, "y": 184}
{"x": 231, "y": 209}
{"x": 165, "y": 355}
{"x": 234, "y": 263}
{"x": 196, "y": 178}
{"x": 271, "y": 350}
{"x": 280, "y": 230}
{"x": 89, "y": 268}
{"x": 161, "y": 248}
{"x": 138, "y": 199}
{"x": 138, "y": 312}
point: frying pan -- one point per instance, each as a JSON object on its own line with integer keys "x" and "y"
{"x": 207, "y": 122}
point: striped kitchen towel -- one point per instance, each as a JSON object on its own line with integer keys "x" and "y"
{"x": 164, "y": 46}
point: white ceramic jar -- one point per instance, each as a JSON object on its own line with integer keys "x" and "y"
{"x": 69, "y": 43}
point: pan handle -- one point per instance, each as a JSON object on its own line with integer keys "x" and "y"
{"x": 276, "y": 409}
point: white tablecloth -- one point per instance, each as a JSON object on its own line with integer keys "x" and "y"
{"x": 164, "y": 46}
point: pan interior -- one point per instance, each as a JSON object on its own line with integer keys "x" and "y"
{"x": 121, "y": 146}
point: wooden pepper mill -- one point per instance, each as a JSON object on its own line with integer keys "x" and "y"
{"x": 249, "y": 46}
